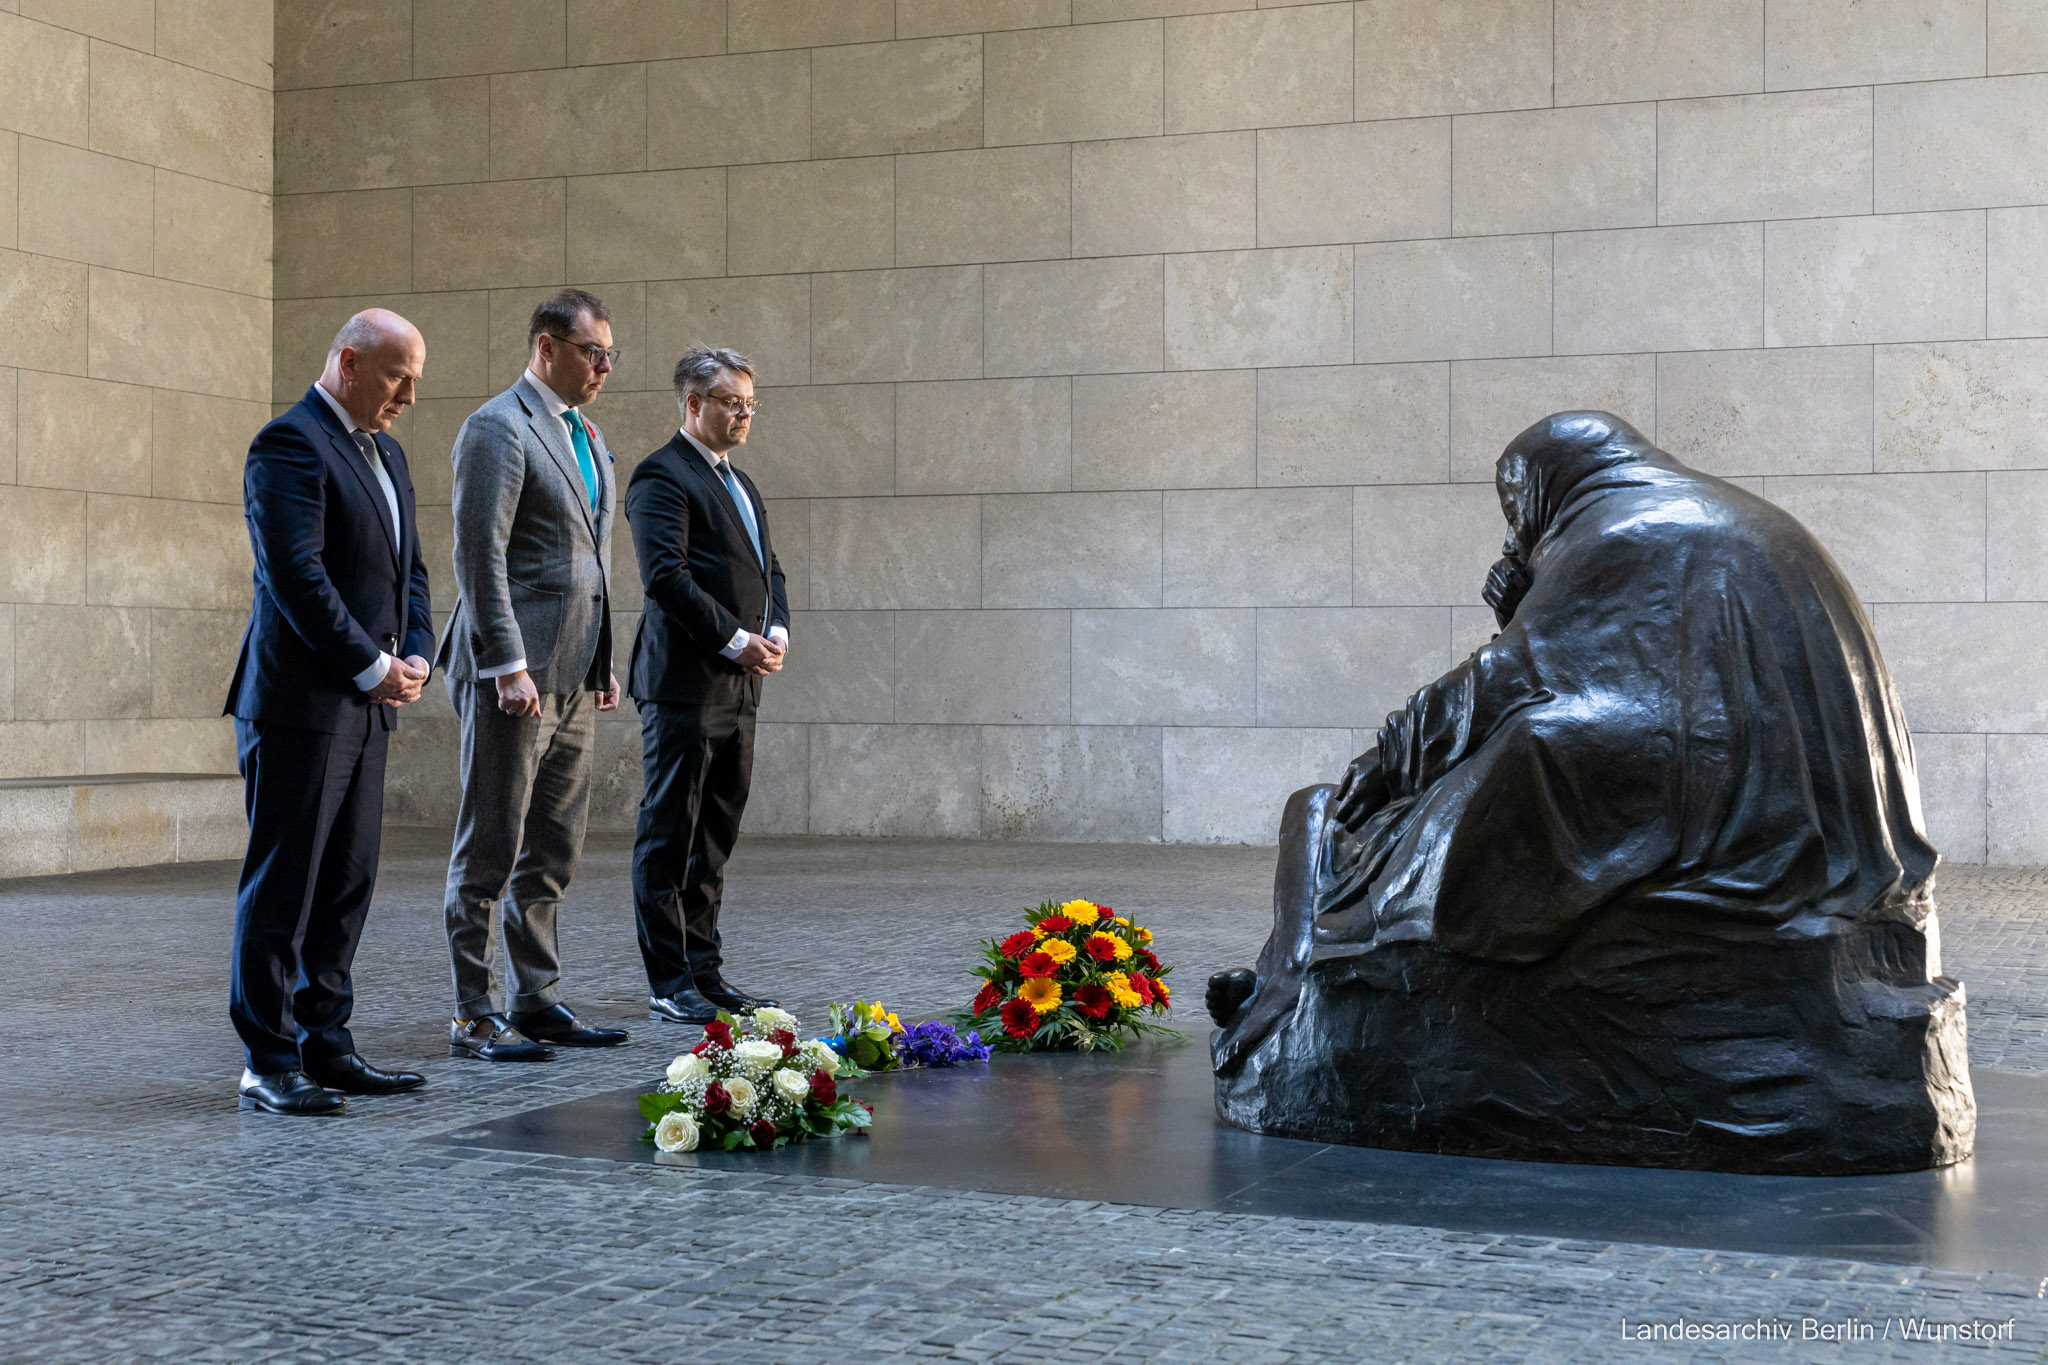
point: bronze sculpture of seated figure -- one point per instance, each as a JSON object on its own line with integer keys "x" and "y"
{"x": 1641, "y": 882}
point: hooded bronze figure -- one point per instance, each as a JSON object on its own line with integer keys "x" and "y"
{"x": 1642, "y": 882}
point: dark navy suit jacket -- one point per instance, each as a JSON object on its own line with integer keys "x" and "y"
{"x": 701, "y": 579}
{"x": 331, "y": 590}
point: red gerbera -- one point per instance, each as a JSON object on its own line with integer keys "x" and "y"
{"x": 716, "y": 1100}
{"x": 1101, "y": 947}
{"x": 1039, "y": 964}
{"x": 1105, "y": 912}
{"x": 763, "y": 1133}
{"x": 1055, "y": 924}
{"x": 1093, "y": 1000}
{"x": 1019, "y": 1019}
{"x": 1150, "y": 962}
{"x": 1143, "y": 986}
{"x": 987, "y": 998}
{"x": 1160, "y": 995}
{"x": 1019, "y": 943}
{"x": 824, "y": 1090}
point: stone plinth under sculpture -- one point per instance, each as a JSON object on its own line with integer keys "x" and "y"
{"x": 1642, "y": 882}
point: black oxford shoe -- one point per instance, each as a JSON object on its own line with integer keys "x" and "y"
{"x": 351, "y": 1074}
{"x": 684, "y": 1007}
{"x": 727, "y": 996}
{"x": 491, "y": 1038}
{"x": 559, "y": 1025}
{"x": 288, "y": 1092}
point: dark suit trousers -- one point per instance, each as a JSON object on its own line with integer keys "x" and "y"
{"x": 316, "y": 807}
{"x": 698, "y": 762}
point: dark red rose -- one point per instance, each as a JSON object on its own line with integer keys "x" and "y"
{"x": 1093, "y": 1001}
{"x": 824, "y": 1090}
{"x": 1055, "y": 924}
{"x": 987, "y": 998}
{"x": 1151, "y": 962}
{"x": 865, "y": 1105}
{"x": 785, "y": 1040}
{"x": 763, "y": 1133}
{"x": 716, "y": 1101}
{"x": 718, "y": 1033}
{"x": 1039, "y": 964}
{"x": 1019, "y": 1019}
{"x": 1018, "y": 944}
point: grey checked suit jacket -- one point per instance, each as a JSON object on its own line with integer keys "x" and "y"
{"x": 532, "y": 568}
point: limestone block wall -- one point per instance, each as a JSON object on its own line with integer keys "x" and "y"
{"x": 1134, "y": 368}
{"x": 135, "y": 226}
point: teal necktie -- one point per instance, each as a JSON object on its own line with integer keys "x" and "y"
{"x": 580, "y": 439}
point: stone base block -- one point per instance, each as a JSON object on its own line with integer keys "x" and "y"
{"x": 85, "y": 823}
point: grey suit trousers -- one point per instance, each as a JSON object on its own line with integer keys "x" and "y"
{"x": 519, "y": 830}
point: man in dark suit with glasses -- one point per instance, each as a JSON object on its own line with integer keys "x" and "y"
{"x": 716, "y": 623}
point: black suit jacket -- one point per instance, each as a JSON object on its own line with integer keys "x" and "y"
{"x": 701, "y": 579}
{"x": 331, "y": 591}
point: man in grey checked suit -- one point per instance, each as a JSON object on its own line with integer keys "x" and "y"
{"x": 527, "y": 655}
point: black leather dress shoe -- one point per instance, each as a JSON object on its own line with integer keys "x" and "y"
{"x": 350, "y": 1073}
{"x": 288, "y": 1092}
{"x": 684, "y": 1007}
{"x": 491, "y": 1038}
{"x": 558, "y": 1024}
{"x": 727, "y": 996}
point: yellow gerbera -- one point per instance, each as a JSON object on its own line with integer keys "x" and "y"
{"x": 1081, "y": 912}
{"x": 1058, "y": 949}
{"x": 1042, "y": 994}
{"x": 1120, "y": 990}
{"x": 1122, "y": 949}
{"x": 1143, "y": 935}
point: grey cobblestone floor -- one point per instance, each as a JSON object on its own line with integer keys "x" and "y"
{"x": 143, "y": 1217}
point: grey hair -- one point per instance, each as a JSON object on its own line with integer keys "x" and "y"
{"x": 360, "y": 333}
{"x": 699, "y": 369}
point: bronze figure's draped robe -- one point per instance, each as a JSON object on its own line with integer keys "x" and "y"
{"x": 1643, "y": 881}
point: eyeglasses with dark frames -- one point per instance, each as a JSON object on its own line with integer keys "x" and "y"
{"x": 590, "y": 351}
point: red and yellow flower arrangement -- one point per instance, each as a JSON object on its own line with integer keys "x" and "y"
{"x": 1077, "y": 977}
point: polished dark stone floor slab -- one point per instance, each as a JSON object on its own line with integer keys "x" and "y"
{"x": 1140, "y": 1128}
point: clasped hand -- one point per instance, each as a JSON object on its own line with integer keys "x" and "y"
{"x": 401, "y": 683}
{"x": 762, "y": 655}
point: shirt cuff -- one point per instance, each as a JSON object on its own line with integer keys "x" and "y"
{"x": 368, "y": 679}
{"x": 736, "y": 644}
{"x": 516, "y": 666}
{"x": 779, "y": 633}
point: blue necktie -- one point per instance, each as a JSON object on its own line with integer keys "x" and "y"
{"x": 739, "y": 498}
{"x": 580, "y": 439}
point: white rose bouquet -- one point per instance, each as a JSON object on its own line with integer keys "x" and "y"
{"x": 750, "y": 1085}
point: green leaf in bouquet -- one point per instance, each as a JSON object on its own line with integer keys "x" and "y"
{"x": 654, "y": 1106}
{"x": 864, "y": 1050}
{"x": 731, "y": 1141}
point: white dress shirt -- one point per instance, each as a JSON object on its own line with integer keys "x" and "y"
{"x": 742, "y": 635}
{"x": 374, "y": 674}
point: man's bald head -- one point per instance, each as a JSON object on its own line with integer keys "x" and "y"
{"x": 373, "y": 366}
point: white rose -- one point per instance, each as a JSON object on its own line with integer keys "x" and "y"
{"x": 757, "y": 1054}
{"x": 819, "y": 1056}
{"x": 792, "y": 1085}
{"x": 687, "y": 1067}
{"x": 743, "y": 1097}
{"x": 677, "y": 1132}
{"x": 769, "y": 1020}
